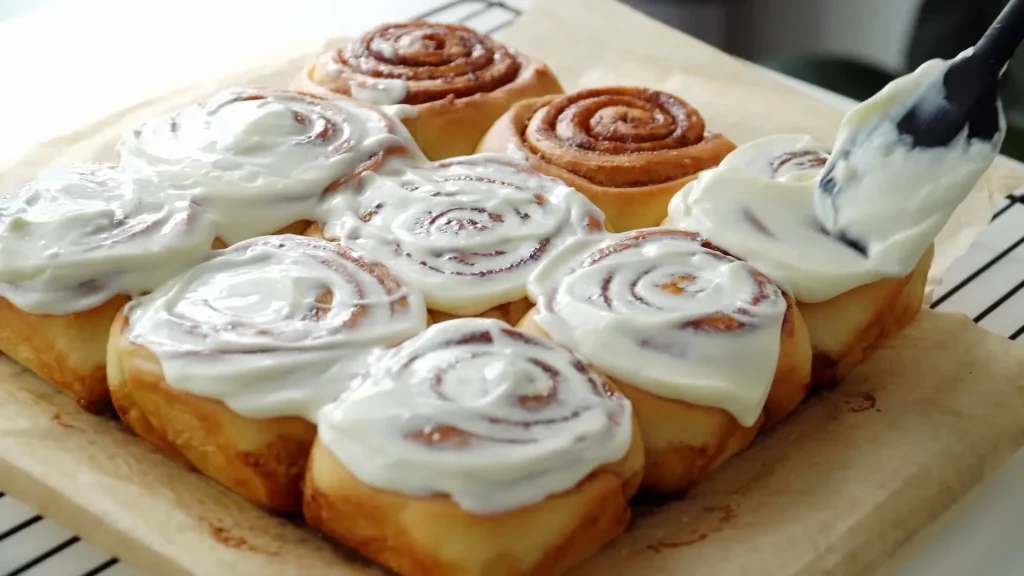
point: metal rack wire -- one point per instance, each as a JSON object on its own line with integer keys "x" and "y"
{"x": 485, "y": 16}
{"x": 488, "y": 17}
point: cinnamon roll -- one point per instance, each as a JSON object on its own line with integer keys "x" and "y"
{"x": 261, "y": 160}
{"x": 466, "y": 231}
{"x": 708, "y": 349}
{"x": 451, "y": 82}
{"x": 758, "y": 205}
{"x": 225, "y": 366}
{"x": 77, "y": 243}
{"x": 475, "y": 448}
{"x": 628, "y": 149}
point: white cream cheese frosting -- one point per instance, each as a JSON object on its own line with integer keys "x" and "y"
{"x": 662, "y": 311}
{"x": 81, "y": 234}
{"x": 765, "y": 216}
{"x": 890, "y": 197}
{"x": 260, "y": 160}
{"x": 275, "y": 326}
{"x": 763, "y": 203}
{"x": 466, "y": 231}
{"x": 492, "y": 417}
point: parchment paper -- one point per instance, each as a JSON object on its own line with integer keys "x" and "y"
{"x": 838, "y": 489}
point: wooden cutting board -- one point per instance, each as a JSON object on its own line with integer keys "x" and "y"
{"x": 842, "y": 487}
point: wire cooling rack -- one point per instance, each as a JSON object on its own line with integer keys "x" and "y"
{"x": 986, "y": 283}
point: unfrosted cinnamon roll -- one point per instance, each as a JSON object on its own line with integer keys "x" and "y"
{"x": 261, "y": 161}
{"x": 475, "y": 448}
{"x": 706, "y": 347}
{"x": 226, "y": 366}
{"x": 758, "y": 205}
{"x": 628, "y": 149}
{"x": 75, "y": 244}
{"x": 466, "y": 231}
{"x": 453, "y": 82}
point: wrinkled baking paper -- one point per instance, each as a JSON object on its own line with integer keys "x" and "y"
{"x": 840, "y": 488}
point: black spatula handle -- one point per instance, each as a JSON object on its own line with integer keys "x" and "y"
{"x": 970, "y": 94}
{"x": 999, "y": 43}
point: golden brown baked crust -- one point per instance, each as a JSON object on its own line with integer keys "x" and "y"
{"x": 262, "y": 460}
{"x": 433, "y": 536}
{"x": 510, "y": 312}
{"x": 68, "y": 351}
{"x": 628, "y": 149}
{"x": 458, "y": 81}
{"x": 684, "y": 442}
{"x": 844, "y": 329}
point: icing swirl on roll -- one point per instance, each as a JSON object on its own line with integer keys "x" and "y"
{"x": 466, "y": 231}
{"x": 79, "y": 235}
{"x": 786, "y": 158}
{"x": 758, "y": 204}
{"x": 261, "y": 160}
{"x": 275, "y": 326}
{"x": 622, "y": 137}
{"x": 667, "y": 312}
{"x": 417, "y": 63}
{"x": 495, "y": 418}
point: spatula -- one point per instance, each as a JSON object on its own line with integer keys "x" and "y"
{"x": 965, "y": 96}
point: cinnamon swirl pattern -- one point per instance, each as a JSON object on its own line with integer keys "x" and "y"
{"x": 707, "y": 348}
{"x": 466, "y": 231}
{"x": 262, "y": 160}
{"x": 226, "y": 366}
{"x": 473, "y": 409}
{"x": 758, "y": 204}
{"x": 79, "y": 235}
{"x": 667, "y": 312}
{"x": 75, "y": 244}
{"x": 275, "y": 326}
{"x": 453, "y": 81}
{"x": 627, "y": 148}
{"x": 482, "y": 429}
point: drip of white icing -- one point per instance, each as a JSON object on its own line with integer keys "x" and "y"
{"x": 494, "y": 418}
{"x": 466, "y": 231}
{"x": 382, "y": 91}
{"x": 402, "y": 111}
{"x": 628, "y": 303}
{"x": 275, "y": 326}
{"x": 260, "y": 160}
{"x": 516, "y": 150}
{"x": 78, "y": 235}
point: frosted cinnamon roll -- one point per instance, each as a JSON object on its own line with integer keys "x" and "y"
{"x": 451, "y": 82}
{"x": 465, "y": 435}
{"x": 466, "y": 231}
{"x": 77, "y": 243}
{"x": 706, "y": 347}
{"x": 261, "y": 161}
{"x": 225, "y": 366}
{"x": 758, "y": 205}
{"x": 628, "y": 149}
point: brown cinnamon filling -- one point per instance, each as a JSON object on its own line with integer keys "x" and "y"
{"x": 796, "y": 161}
{"x": 323, "y": 303}
{"x": 452, "y": 221}
{"x": 443, "y": 434}
{"x": 437, "y": 61}
{"x": 622, "y": 137}
{"x": 724, "y": 321}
